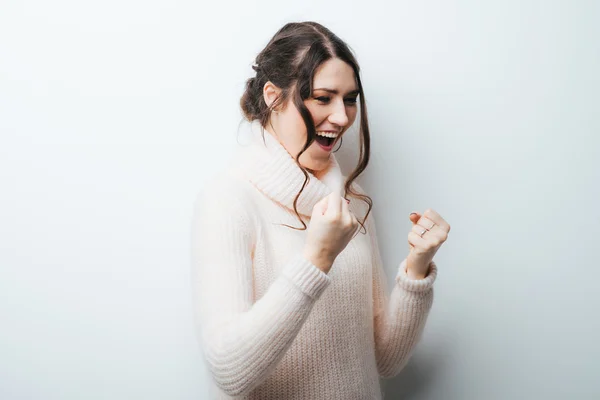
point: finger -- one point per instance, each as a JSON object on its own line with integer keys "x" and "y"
{"x": 431, "y": 238}
{"x": 433, "y": 229}
{"x": 345, "y": 209}
{"x": 437, "y": 218}
{"x": 421, "y": 230}
{"x": 334, "y": 204}
{"x": 357, "y": 226}
{"x": 354, "y": 220}
{"x": 346, "y": 214}
{"x": 321, "y": 206}
{"x": 427, "y": 223}
{"x": 415, "y": 240}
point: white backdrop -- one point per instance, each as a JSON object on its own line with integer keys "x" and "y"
{"x": 114, "y": 113}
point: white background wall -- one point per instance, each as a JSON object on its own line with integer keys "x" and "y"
{"x": 113, "y": 114}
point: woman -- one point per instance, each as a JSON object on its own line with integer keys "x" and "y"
{"x": 289, "y": 291}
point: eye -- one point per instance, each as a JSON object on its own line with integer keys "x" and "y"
{"x": 351, "y": 100}
{"x": 323, "y": 99}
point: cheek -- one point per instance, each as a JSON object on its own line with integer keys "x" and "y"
{"x": 295, "y": 133}
{"x": 292, "y": 121}
{"x": 352, "y": 113}
{"x": 317, "y": 113}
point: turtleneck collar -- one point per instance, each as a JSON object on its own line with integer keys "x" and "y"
{"x": 273, "y": 171}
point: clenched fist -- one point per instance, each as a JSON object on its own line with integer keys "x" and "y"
{"x": 428, "y": 233}
{"x": 331, "y": 228}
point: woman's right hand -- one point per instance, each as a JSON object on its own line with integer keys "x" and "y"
{"x": 331, "y": 228}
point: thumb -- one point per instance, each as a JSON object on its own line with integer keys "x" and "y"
{"x": 414, "y": 217}
{"x": 321, "y": 206}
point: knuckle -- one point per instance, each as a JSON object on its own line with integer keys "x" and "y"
{"x": 330, "y": 218}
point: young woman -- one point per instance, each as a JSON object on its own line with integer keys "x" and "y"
{"x": 290, "y": 296}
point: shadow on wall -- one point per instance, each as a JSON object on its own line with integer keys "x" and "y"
{"x": 419, "y": 375}
{"x": 431, "y": 358}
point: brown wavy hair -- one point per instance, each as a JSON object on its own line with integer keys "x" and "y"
{"x": 289, "y": 61}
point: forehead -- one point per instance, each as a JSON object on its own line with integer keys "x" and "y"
{"x": 335, "y": 74}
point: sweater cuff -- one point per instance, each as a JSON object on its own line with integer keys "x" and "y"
{"x": 416, "y": 285}
{"x": 306, "y": 276}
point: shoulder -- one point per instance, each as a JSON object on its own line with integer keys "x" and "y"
{"x": 225, "y": 192}
{"x": 227, "y": 183}
{"x": 357, "y": 187}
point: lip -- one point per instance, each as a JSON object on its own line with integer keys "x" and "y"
{"x": 330, "y": 147}
{"x": 325, "y": 148}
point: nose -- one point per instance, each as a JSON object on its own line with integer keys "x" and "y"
{"x": 339, "y": 116}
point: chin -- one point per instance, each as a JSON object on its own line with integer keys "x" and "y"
{"x": 315, "y": 164}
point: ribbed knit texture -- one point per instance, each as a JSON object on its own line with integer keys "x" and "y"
{"x": 271, "y": 325}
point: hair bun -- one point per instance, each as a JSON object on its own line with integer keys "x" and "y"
{"x": 249, "y": 100}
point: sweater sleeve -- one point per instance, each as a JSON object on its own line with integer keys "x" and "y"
{"x": 399, "y": 319}
{"x": 243, "y": 340}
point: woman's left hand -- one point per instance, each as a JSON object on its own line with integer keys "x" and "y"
{"x": 423, "y": 247}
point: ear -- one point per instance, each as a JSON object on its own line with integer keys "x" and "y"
{"x": 270, "y": 93}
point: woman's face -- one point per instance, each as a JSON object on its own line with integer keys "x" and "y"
{"x": 333, "y": 106}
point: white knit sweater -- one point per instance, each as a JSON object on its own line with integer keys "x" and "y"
{"x": 270, "y": 324}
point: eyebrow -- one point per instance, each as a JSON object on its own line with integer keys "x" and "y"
{"x": 333, "y": 91}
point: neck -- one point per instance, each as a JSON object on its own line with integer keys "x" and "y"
{"x": 318, "y": 174}
{"x": 274, "y": 171}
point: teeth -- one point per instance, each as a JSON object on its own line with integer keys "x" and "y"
{"x": 327, "y": 134}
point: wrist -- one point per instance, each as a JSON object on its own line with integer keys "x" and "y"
{"x": 319, "y": 261}
{"x": 416, "y": 274}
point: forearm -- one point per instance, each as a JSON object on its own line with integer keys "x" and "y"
{"x": 401, "y": 321}
{"x": 243, "y": 348}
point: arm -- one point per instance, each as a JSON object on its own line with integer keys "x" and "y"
{"x": 400, "y": 319}
{"x": 243, "y": 340}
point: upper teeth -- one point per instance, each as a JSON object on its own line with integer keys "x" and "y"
{"x": 327, "y": 134}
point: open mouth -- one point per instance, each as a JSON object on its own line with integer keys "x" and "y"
{"x": 324, "y": 141}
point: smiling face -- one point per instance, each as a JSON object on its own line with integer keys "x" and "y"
{"x": 332, "y": 105}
